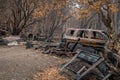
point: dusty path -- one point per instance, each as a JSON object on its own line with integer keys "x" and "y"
{"x": 17, "y": 63}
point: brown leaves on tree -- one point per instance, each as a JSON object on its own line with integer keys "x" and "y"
{"x": 46, "y": 7}
{"x": 113, "y": 8}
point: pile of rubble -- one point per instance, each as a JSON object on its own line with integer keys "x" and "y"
{"x": 91, "y": 57}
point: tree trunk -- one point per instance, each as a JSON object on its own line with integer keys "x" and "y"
{"x": 16, "y": 32}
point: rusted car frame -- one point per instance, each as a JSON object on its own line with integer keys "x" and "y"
{"x": 88, "y": 37}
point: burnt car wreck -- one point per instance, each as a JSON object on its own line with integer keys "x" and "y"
{"x": 91, "y": 56}
{"x": 85, "y": 37}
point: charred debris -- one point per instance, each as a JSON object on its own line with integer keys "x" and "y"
{"x": 87, "y": 47}
{"x": 90, "y": 56}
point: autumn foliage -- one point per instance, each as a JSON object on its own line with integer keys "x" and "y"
{"x": 48, "y": 6}
{"x": 23, "y": 13}
{"x": 50, "y": 74}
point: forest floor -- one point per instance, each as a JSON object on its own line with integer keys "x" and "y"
{"x": 19, "y": 63}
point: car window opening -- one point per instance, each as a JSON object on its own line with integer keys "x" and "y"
{"x": 71, "y": 32}
{"x": 97, "y": 35}
{"x": 80, "y": 33}
{"x": 85, "y": 34}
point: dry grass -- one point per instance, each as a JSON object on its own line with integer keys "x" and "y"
{"x": 50, "y": 74}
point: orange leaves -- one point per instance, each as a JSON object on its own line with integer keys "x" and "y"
{"x": 87, "y": 7}
{"x": 41, "y": 11}
{"x": 46, "y": 7}
{"x": 96, "y": 5}
{"x": 82, "y": 13}
{"x": 83, "y": 1}
{"x": 37, "y": 13}
{"x": 113, "y": 8}
{"x": 92, "y": 6}
{"x": 58, "y": 4}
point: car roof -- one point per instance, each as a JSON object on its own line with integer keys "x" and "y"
{"x": 85, "y": 29}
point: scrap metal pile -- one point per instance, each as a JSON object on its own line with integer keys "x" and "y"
{"x": 92, "y": 57}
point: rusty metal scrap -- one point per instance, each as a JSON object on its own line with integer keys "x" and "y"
{"x": 92, "y": 63}
{"x": 94, "y": 58}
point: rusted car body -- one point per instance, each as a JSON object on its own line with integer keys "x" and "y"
{"x": 86, "y": 37}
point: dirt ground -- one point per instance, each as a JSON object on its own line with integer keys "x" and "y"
{"x": 18, "y": 63}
